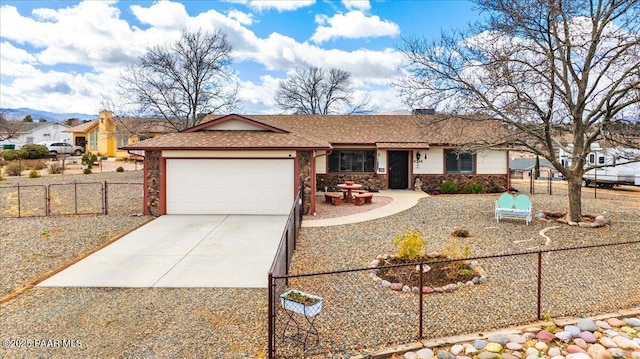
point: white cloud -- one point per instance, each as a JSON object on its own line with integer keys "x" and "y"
{"x": 163, "y": 14}
{"x": 280, "y": 5}
{"x": 40, "y": 53}
{"x": 352, "y": 25}
{"x": 363, "y": 5}
{"x": 262, "y": 93}
{"x": 241, "y": 17}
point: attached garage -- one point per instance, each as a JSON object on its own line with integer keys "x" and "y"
{"x": 230, "y": 186}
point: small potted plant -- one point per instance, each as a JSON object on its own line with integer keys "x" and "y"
{"x": 301, "y": 302}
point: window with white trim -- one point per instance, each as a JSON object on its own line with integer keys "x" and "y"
{"x": 352, "y": 161}
{"x": 459, "y": 162}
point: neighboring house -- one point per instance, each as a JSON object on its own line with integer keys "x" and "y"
{"x": 35, "y": 132}
{"x": 523, "y": 168}
{"x": 256, "y": 164}
{"x": 106, "y": 135}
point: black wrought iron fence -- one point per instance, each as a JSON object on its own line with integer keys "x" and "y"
{"x": 71, "y": 199}
{"x": 282, "y": 260}
{"x": 360, "y": 315}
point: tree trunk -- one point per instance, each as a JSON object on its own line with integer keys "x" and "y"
{"x": 574, "y": 186}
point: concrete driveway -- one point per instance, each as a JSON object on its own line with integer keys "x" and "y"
{"x": 183, "y": 251}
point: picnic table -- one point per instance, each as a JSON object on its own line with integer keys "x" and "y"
{"x": 348, "y": 188}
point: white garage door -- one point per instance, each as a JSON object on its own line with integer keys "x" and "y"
{"x": 229, "y": 186}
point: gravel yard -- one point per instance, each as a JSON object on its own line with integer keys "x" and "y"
{"x": 232, "y": 323}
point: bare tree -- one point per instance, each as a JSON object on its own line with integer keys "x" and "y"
{"x": 9, "y": 129}
{"x": 557, "y": 74}
{"x": 312, "y": 90}
{"x": 183, "y": 80}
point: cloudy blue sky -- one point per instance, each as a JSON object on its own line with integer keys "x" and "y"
{"x": 64, "y": 56}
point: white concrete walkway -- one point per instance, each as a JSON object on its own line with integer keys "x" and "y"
{"x": 183, "y": 251}
{"x": 401, "y": 201}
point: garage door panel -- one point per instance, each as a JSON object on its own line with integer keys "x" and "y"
{"x": 233, "y": 186}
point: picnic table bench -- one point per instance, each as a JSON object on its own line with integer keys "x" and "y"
{"x": 361, "y": 198}
{"x": 333, "y": 198}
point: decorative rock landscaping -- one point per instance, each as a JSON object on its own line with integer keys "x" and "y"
{"x": 611, "y": 338}
{"x": 481, "y": 277}
{"x": 589, "y": 220}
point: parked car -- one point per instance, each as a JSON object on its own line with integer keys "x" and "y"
{"x": 59, "y": 147}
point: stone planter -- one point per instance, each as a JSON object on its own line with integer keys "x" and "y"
{"x": 297, "y": 307}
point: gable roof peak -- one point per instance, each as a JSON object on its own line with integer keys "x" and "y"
{"x": 213, "y": 120}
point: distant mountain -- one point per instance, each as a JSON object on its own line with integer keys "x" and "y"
{"x": 20, "y": 113}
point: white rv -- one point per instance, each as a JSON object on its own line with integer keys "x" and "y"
{"x": 620, "y": 171}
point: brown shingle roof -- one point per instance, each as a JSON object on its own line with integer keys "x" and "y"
{"x": 227, "y": 140}
{"x": 322, "y": 131}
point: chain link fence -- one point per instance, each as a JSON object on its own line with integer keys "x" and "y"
{"x": 359, "y": 315}
{"x": 77, "y": 198}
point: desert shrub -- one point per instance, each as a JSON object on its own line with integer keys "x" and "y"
{"x": 55, "y": 168}
{"x": 12, "y": 155}
{"x": 409, "y": 246}
{"x": 34, "y": 164}
{"x": 1, "y": 177}
{"x": 34, "y": 151}
{"x": 474, "y": 188}
{"x": 14, "y": 168}
{"x": 87, "y": 171}
{"x": 460, "y": 233}
{"x": 120, "y": 169}
{"x": 34, "y": 173}
{"x": 89, "y": 159}
{"x": 449, "y": 187}
{"x": 455, "y": 250}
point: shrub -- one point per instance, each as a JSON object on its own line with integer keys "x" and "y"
{"x": 12, "y": 155}
{"x": 409, "y": 246}
{"x": 1, "y": 177}
{"x": 474, "y": 188}
{"x": 34, "y": 173}
{"x": 55, "y": 168}
{"x": 34, "y": 151}
{"x": 455, "y": 250}
{"x": 13, "y": 168}
{"x": 34, "y": 164}
{"x": 87, "y": 171}
{"x": 120, "y": 169}
{"x": 460, "y": 232}
{"x": 449, "y": 187}
{"x": 88, "y": 159}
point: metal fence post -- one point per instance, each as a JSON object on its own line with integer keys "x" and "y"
{"x": 531, "y": 184}
{"x": 47, "y": 201}
{"x": 539, "y": 295}
{"x": 19, "y": 199}
{"x": 271, "y": 324}
{"x": 75, "y": 196}
{"x": 105, "y": 202}
{"x": 420, "y": 305}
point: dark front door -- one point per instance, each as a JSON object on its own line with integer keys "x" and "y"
{"x": 398, "y": 169}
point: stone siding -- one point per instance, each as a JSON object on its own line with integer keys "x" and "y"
{"x": 369, "y": 181}
{"x": 152, "y": 166}
{"x": 304, "y": 172}
{"x": 490, "y": 183}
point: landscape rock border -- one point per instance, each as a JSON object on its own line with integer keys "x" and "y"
{"x": 481, "y": 277}
{"x": 596, "y": 220}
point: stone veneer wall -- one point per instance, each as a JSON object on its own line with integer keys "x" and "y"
{"x": 490, "y": 183}
{"x": 152, "y": 165}
{"x": 304, "y": 171}
{"x": 369, "y": 181}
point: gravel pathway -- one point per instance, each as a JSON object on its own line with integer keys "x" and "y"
{"x": 232, "y": 323}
